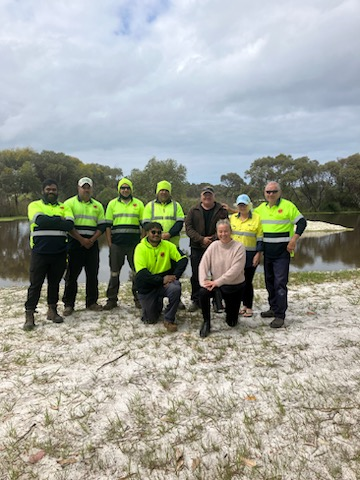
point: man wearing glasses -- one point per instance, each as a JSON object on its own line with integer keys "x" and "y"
{"x": 123, "y": 231}
{"x": 278, "y": 219}
{"x": 158, "y": 265}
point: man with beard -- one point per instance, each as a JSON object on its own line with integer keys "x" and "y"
{"x": 83, "y": 251}
{"x": 50, "y": 221}
{"x": 123, "y": 231}
{"x": 159, "y": 265}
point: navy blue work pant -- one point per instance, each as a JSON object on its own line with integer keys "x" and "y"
{"x": 152, "y": 302}
{"x": 79, "y": 258}
{"x": 51, "y": 267}
{"x": 276, "y": 279}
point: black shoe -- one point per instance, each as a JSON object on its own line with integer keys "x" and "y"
{"x": 110, "y": 304}
{"x": 205, "y": 329}
{"x": 193, "y": 307}
{"x": 277, "y": 323}
{"x": 181, "y": 306}
{"x": 268, "y": 314}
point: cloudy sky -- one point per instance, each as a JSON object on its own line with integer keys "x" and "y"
{"x": 213, "y": 84}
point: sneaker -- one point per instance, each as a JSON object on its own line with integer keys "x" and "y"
{"x": 277, "y": 323}
{"x": 268, "y": 314}
{"x": 193, "y": 307}
{"x": 68, "y": 310}
{"x": 170, "y": 326}
{"x": 181, "y": 306}
{"x": 110, "y": 304}
{"x": 95, "y": 307}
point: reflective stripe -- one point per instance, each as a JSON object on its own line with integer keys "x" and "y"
{"x": 250, "y": 249}
{"x": 85, "y": 232}
{"x": 127, "y": 215}
{"x": 48, "y": 233}
{"x": 276, "y": 222}
{"x": 86, "y": 217}
{"x": 173, "y": 217}
{"x": 276, "y": 239}
{"x": 245, "y": 234}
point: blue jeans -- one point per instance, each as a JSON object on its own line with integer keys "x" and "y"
{"x": 276, "y": 278}
{"x": 152, "y": 302}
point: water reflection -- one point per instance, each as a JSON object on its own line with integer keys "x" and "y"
{"x": 336, "y": 251}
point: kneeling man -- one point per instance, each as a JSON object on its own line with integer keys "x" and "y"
{"x": 158, "y": 266}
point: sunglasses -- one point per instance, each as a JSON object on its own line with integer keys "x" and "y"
{"x": 125, "y": 188}
{"x": 271, "y": 191}
{"x": 156, "y": 232}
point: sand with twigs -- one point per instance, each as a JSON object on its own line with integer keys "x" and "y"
{"x": 103, "y": 396}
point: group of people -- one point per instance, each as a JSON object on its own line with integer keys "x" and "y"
{"x": 225, "y": 251}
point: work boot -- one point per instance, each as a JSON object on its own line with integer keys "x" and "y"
{"x": 68, "y": 310}
{"x": 170, "y": 326}
{"x": 268, "y": 314}
{"x": 181, "y": 306}
{"x": 205, "y": 329}
{"x": 277, "y": 323}
{"x": 193, "y": 307}
{"x": 95, "y": 307}
{"x": 53, "y": 315}
{"x": 137, "y": 303}
{"x": 29, "y": 321}
{"x": 110, "y": 304}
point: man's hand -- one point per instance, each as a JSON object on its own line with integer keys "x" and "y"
{"x": 168, "y": 279}
{"x": 206, "y": 241}
{"x": 165, "y": 236}
{"x": 292, "y": 244}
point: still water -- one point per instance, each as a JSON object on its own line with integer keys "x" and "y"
{"x": 336, "y": 251}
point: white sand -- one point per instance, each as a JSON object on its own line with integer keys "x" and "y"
{"x": 245, "y": 403}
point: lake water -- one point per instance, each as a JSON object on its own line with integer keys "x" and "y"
{"x": 335, "y": 251}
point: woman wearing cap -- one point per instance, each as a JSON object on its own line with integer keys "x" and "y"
{"x": 246, "y": 228}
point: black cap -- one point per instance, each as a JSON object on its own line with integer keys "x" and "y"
{"x": 207, "y": 189}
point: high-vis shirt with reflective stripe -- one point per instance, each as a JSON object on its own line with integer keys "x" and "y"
{"x": 88, "y": 216}
{"x": 50, "y": 237}
{"x": 167, "y": 214}
{"x": 249, "y": 232}
{"x": 124, "y": 219}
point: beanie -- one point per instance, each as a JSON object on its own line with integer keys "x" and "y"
{"x": 163, "y": 185}
{"x": 125, "y": 181}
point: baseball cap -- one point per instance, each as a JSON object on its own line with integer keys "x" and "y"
{"x": 85, "y": 180}
{"x": 207, "y": 189}
{"x": 243, "y": 199}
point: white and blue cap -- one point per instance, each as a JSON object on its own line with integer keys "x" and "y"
{"x": 243, "y": 199}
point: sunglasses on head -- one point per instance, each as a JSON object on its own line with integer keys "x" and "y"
{"x": 156, "y": 232}
{"x": 271, "y": 191}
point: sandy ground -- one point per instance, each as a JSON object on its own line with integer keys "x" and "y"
{"x": 103, "y": 396}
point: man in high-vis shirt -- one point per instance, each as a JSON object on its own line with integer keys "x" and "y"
{"x": 169, "y": 213}
{"x": 278, "y": 219}
{"x": 166, "y": 211}
{"x": 83, "y": 248}
{"x": 50, "y": 221}
{"x": 159, "y": 265}
{"x": 123, "y": 232}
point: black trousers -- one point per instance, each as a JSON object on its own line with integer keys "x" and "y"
{"x": 79, "y": 258}
{"x": 232, "y": 295}
{"x": 248, "y": 296}
{"x": 51, "y": 267}
{"x": 195, "y": 258}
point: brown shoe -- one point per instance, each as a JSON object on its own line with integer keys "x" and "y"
{"x": 68, "y": 310}
{"x": 95, "y": 307}
{"x": 29, "y": 321}
{"x": 53, "y": 315}
{"x": 170, "y": 327}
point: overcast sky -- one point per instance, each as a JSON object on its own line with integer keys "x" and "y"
{"x": 213, "y": 84}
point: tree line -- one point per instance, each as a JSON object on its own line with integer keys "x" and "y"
{"x": 330, "y": 187}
